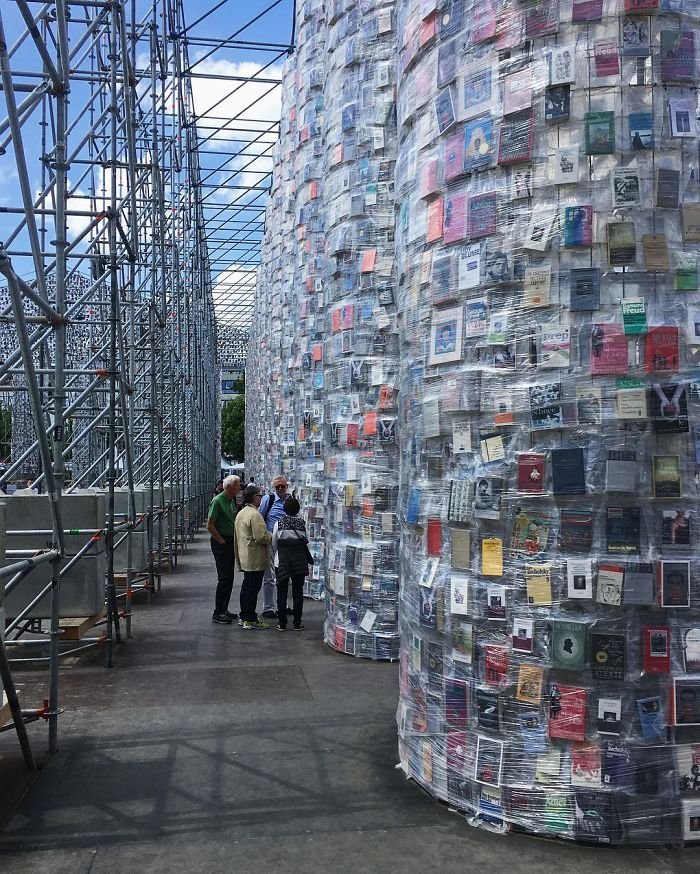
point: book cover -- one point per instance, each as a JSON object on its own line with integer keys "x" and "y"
{"x": 685, "y": 702}
{"x": 666, "y": 476}
{"x": 677, "y": 56}
{"x": 690, "y": 222}
{"x": 536, "y": 286}
{"x": 477, "y": 143}
{"x": 517, "y": 91}
{"x": 656, "y": 649}
{"x": 558, "y": 813}
{"x": 496, "y": 602}
{"x": 567, "y": 712}
{"x": 641, "y": 130}
{"x": 636, "y": 36}
{"x": 566, "y": 165}
{"x": 531, "y": 472}
{"x": 542, "y": 19}
{"x": 530, "y": 532}
{"x": 579, "y": 578}
{"x": 557, "y": 104}
{"x": 515, "y": 139}
{"x": 455, "y": 218}
{"x": 584, "y": 289}
{"x": 617, "y": 765}
{"x": 476, "y": 93}
{"x": 442, "y": 287}
{"x": 626, "y": 188}
{"x": 522, "y": 635}
{"x": 687, "y": 758}
{"x": 586, "y": 10}
{"x": 674, "y": 583}
{"x": 609, "y": 716}
{"x": 675, "y": 530}
{"x": 668, "y": 407}
{"x": 446, "y": 335}
{"x": 661, "y": 348}
{"x": 586, "y": 765}
{"x": 483, "y": 21}
{"x": 667, "y": 188}
{"x": 428, "y": 179}
{"x": 568, "y": 471}
{"x": 469, "y": 266}
{"x": 621, "y": 470}
{"x": 476, "y": 317}
{"x": 690, "y": 814}
{"x": 435, "y": 662}
{"x": 489, "y": 760}
{"x": 690, "y": 641}
{"x": 532, "y": 731}
{"x": 606, "y": 55}
{"x": 456, "y": 706}
{"x": 589, "y": 399}
{"x": 548, "y": 767}
{"x": 610, "y": 584}
{"x": 538, "y": 582}
{"x": 496, "y": 659}
{"x": 545, "y": 406}
{"x": 453, "y": 162}
{"x": 460, "y": 501}
{"x": 608, "y": 656}
{"x": 623, "y": 530}
{"x": 593, "y": 816}
{"x": 568, "y": 645}
{"x": 562, "y": 66}
{"x": 487, "y": 708}
{"x": 622, "y": 243}
{"x": 446, "y": 63}
{"x": 630, "y": 398}
{"x": 578, "y": 226}
{"x": 462, "y": 641}
{"x": 435, "y": 220}
{"x": 529, "y": 685}
{"x": 599, "y": 130}
{"x": 655, "y": 250}
{"x": 459, "y": 596}
{"x": 681, "y": 111}
{"x": 483, "y": 215}
{"x": 492, "y": 557}
{"x": 488, "y": 494}
{"x": 609, "y": 353}
{"x": 444, "y": 110}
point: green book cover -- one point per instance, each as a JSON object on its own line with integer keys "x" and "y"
{"x": 568, "y": 645}
{"x": 600, "y": 133}
{"x": 634, "y": 315}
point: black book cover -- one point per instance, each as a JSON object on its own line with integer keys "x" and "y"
{"x": 557, "y": 103}
{"x": 576, "y": 531}
{"x": 608, "y": 656}
{"x": 623, "y": 530}
{"x": 568, "y": 472}
{"x": 584, "y": 289}
{"x": 594, "y": 816}
{"x": 668, "y": 407}
{"x": 435, "y": 661}
{"x": 487, "y": 708}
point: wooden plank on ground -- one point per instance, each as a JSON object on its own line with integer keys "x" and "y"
{"x": 75, "y": 628}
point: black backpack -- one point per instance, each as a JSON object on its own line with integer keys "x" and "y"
{"x": 271, "y": 500}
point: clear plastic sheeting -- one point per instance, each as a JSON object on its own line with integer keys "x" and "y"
{"x": 547, "y": 243}
{"x": 361, "y": 339}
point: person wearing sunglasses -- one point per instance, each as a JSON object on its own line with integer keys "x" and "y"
{"x": 272, "y": 510}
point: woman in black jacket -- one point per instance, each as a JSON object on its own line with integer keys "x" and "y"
{"x": 291, "y": 547}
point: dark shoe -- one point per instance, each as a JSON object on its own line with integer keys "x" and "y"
{"x": 270, "y": 614}
{"x": 281, "y": 627}
{"x": 290, "y": 612}
{"x": 231, "y": 616}
{"x": 221, "y": 619}
{"x": 299, "y": 627}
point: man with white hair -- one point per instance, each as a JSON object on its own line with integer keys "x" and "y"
{"x": 220, "y": 524}
{"x": 272, "y": 509}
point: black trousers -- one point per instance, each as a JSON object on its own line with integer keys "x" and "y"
{"x": 250, "y": 589}
{"x": 224, "y": 558}
{"x": 297, "y": 599}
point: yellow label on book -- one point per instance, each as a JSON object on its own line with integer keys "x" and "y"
{"x": 492, "y": 557}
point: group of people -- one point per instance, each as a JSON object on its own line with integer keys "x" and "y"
{"x": 266, "y": 539}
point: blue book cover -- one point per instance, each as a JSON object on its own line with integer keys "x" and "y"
{"x": 651, "y": 718}
{"x": 413, "y": 508}
{"x": 617, "y": 765}
{"x": 532, "y": 731}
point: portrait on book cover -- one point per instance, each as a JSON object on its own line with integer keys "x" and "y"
{"x": 446, "y": 336}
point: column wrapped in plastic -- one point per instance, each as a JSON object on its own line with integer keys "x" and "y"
{"x": 361, "y": 346}
{"x": 547, "y": 241}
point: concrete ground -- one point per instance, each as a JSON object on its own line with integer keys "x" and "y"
{"x": 211, "y": 749}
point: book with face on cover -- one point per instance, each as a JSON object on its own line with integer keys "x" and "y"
{"x": 568, "y": 645}
{"x": 579, "y": 578}
{"x": 609, "y": 351}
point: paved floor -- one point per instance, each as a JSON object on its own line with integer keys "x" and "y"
{"x": 211, "y": 749}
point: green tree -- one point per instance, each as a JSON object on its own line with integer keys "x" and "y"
{"x": 233, "y": 428}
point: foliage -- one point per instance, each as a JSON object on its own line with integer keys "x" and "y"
{"x": 233, "y": 428}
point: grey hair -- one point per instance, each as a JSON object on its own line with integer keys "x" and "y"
{"x": 230, "y": 480}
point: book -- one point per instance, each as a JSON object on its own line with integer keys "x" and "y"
{"x": 609, "y": 716}
{"x": 668, "y": 407}
{"x": 675, "y": 530}
{"x": 617, "y": 765}
{"x": 599, "y": 129}
{"x": 452, "y": 160}
{"x": 639, "y": 585}
{"x": 542, "y": 19}
{"x": 579, "y": 578}
{"x": 651, "y": 720}
{"x": 496, "y": 602}
{"x": 522, "y": 635}
{"x": 477, "y": 143}
{"x": 608, "y": 656}
{"x": 460, "y": 500}
{"x": 656, "y": 649}
{"x": 487, "y": 708}
{"x": 446, "y": 63}
{"x": 609, "y": 350}
{"x": 586, "y": 765}
{"x": 666, "y": 476}
{"x": 586, "y": 10}
{"x": 557, "y": 104}
{"x": 442, "y": 287}
{"x": 578, "y": 226}
{"x": 687, "y": 759}
{"x": 655, "y": 250}
{"x": 641, "y": 130}
{"x": 606, "y": 55}
{"x": 623, "y": 530}
{"x": 661, "y": 348}
{"x": 626, "y": 189}
{"x": 681, "y": 111}
{"x": 456, "y": 703}
{"x": 677, "y": 56}
{"x": 459, "y": 596}
{"x": 488, "y": 493}
{"x": 630, "y": 398}
{"x": 444, "y": 110}
{"x": 690, "y": 816}
{"x": 568, "y": 645}
{"x": 529, "y": 685}
{"x": 538, "y": 582}
{"x": 622, "y": 243}
{"x": 566, "y": 165}
{"x": 690, "y": 222}
{"x": 536, "y": 286}
{"x": 690, "y": 642}
{"x": 593, "y": 816}
{"x": 532, "y": 732}
{"x": 685, "y": 701}
{"x": 548, "y": 767}
{"x": 562, "y": 67}
{"x": 636, "y": 36}
{"x": 515, "y": 139}
{"x": 621, "y": 470}
{"x": 517, "y": 91}
{"x": 461, "y": 549}
{"x": 462, "y": 641}
{"x": 476, "y": 317}
{"x": 666, "y": 188}
{"x": 476, "y": 92}
{"x": 588, "y": 404}
{"x": 567, "y": 712}
{"x": 531, "y": 472}
{"x": 483, "y": 215}
{"x": 530, "y": 532}
{"x": 492, "y": 557}
{"x": 446, "y": 335}
{"x": 455, "y": 219}
{"x": 674, "y": 583}
{"x": 489, "y": 760}
{"x": 584, "y": 289}
{"x": 435, "y": 220}
{"x": 545, "y": 406}
{"x": 610, "y": 583}
{"x": 568, "y": 471}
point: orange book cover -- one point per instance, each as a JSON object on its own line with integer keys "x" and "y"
{"x": 435, "y": 217}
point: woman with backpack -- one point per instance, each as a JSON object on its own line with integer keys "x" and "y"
{"x": 292, "y": 558}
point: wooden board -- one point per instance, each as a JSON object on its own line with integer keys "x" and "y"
{"x": 5, "y": 714}
{"x": 74, "y": 629}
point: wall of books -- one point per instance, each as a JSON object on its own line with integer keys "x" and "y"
{"x": 361, "y": 349}
{"x": 547, "y": 238}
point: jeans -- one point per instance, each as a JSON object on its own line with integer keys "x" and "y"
{"x": 269, "y": 584}
{"x": 224, "y": 558}
{"x": 252, "y": 581}
{"x": 297, "y": 600}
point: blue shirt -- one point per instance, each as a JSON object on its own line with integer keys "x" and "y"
{"x": 276, "y": 510}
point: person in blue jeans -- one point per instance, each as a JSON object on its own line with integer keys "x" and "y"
{"x": 291, "y": 548}
{"x": 272, "y": 509}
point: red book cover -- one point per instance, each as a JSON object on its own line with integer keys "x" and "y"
{"x": 435, "y": 210}
{"x": 531, "y": 472}
{"x": 352, "y": 432}
{"x": 339, "y": 638}
{"x": 608, "y": 350}
{"x": 452, "y": 159}
{"x": 643, "y": 6}
{"x": 661, "y": 348}
{"x": 434, "y": 537}
{"x": 496, "y": 664}
{"x": 657, "y": 649}
{"x": 483, "y": 21}
{"x": 455, "y": 218}
{"x": 429, "y": 178}
{"x": 567, "y": 712}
